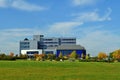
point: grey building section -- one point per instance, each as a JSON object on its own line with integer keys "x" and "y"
{"x": 49, "y": 44}
{"x": 69, "y": 47}
{"x": 33, "y": 44}
{"x": 38, "y": 37}
{"x": 67, "y": 41}
{"x": 28, "y": 44}
{"x": 51, "y": 50}
{"x": 24, "y": 45}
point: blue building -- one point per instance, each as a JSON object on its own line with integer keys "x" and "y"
{"x": 68, "y": 49}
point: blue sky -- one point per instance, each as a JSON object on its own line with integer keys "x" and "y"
{"x": 95, "y": 23}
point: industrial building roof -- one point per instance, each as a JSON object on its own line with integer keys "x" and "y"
{"x": 70, "y": 47}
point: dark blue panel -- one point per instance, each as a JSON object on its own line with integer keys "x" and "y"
{"x": 67, "y": 52}
{"x": 32, "y": 52}
{"x": 49, "y": 52}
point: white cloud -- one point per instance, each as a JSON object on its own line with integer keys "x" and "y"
{"x": 94, "y": 16}
{"x": 21, "y": 5}
{"x": 64, "y": 27}
{"x": 69, "y": 27}
{"x": 84, "y": 2}
{"x": 100, "y": 40}
{"x": 10, "y": 38}
{"x": 3, "y": 3}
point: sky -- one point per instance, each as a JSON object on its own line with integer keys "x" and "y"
{"x": 95, "y": 23}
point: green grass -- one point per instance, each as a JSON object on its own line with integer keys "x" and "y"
{"x": 35, "y": 70}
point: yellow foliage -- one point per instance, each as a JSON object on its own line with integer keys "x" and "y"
{"x": 102, "y": 55}
{"x": 73, "y": 54}
{"x": 116, "y": 54}
{"x": 60, "y": 55}
{"x": 39, "y": 56}
{"x": 87, "y": 56}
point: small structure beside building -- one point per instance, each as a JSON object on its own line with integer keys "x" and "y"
{"x": 30, "y": 53}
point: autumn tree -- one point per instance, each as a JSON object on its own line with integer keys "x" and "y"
{"x": 50, "y": 57}
{"x": 82, "y": 56}
{"x": 102, "y": 55}
{"x": 39, "y": 57}
{"x": 42, "y": 57}
{"x": 11, "y": 54}
{"x": 73, "y": 54}
{"x": 87, "y": 56}
{"x": 60, "y": 55}
{"x": 116, "y": 54}
{"x": 36, "y": 55}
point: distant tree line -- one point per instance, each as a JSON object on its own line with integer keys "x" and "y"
{"x": 11, "y": 56}
{"x": 102, "y": 57}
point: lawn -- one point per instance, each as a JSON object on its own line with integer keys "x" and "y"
{"x": 46, "y": 70}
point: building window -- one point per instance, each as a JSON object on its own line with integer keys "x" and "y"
{"x": 68, "y": 39}
{"x": 50, "y": 42}
{"x": 48, "y": 39}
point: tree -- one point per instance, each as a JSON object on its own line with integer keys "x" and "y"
{"x": 116, "y": 54}
{"x": 73, "y": 54}
{"x": 39, "y": 57}
{"x": 102, "y": 55}
{"x": 82, "y": 56}
{"x": 11, "y": 54}
{"x": 2, "y": 56}
{"x": 87, "y": 57}
{"x": 50, "y": 57}
{"x": 36, "y": 55}
{"x": 111, "y": 54}
{"x": 42, "y": 57}
{"x": 23, "y": 56}
{"x": 60, "y": 55}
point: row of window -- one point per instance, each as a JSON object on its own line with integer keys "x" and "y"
{"x": 68, "y": 39}
{"x": 24, "y": 43}
{"x": 52, "y": 45}
{"x": 59, "y": 39}
{"x": 25, "y": 47}
{"x": 57, "y": 42}
{"x": 68, "y": 42}
{"x": 27, "y": 43}
{"x": 48, "y": 39}
{"x": 51, "y": 42}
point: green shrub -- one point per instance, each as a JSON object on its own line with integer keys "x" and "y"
{"x": 8, "y": 58}
{"x": 84, "y": 60}
{"x": 72, "y": 59}
{"x": 57, "y": 59}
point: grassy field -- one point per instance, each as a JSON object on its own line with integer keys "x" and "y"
{"x": 33, "y": 70}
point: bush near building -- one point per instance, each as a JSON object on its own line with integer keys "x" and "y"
{"x": 73, "y": 56}
{"x": 25, "y": 57}
{"x": 60, "y": 55}
{"x": 51, "y": 57}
